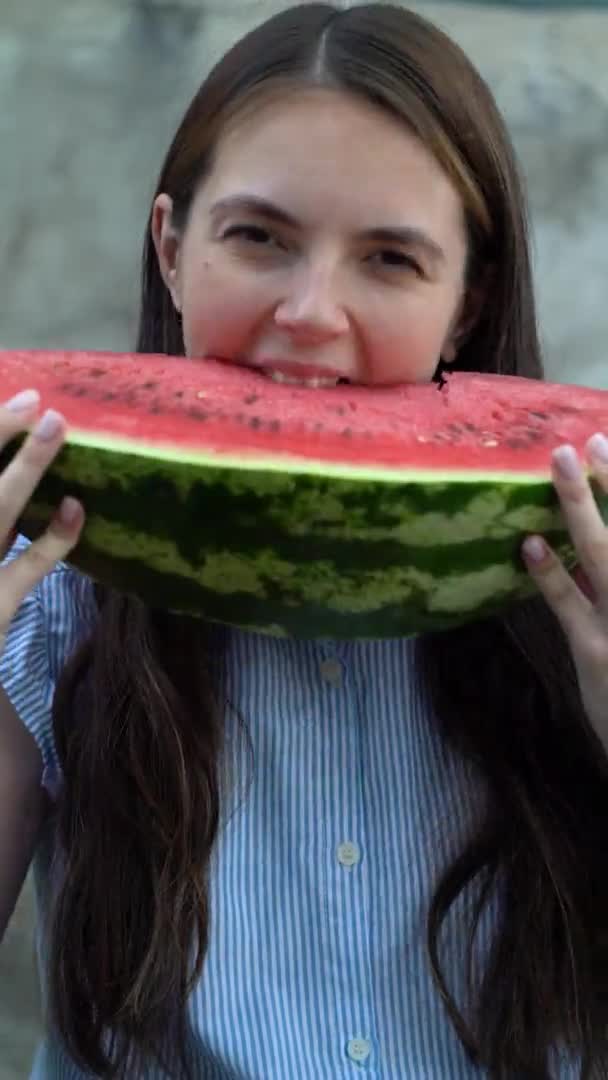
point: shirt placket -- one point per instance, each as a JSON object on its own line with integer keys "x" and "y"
{"x": 345, "y": 851}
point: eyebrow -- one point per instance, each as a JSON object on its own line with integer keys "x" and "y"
{"x": 406, "y": 235}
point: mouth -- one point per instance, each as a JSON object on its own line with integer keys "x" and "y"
{"x": 290, "y": 373}
{"x": 315, "y": 382}
{"x": 296, "y": 374}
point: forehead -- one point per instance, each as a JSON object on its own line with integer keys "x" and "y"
{"x": 330, "y": 147}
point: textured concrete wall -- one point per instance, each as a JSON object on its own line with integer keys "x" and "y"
{"x": 90, "y": 93}
{"x": 92, "y": 89}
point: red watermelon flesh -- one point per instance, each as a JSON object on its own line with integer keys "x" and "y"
{"x": 491, "y": 422}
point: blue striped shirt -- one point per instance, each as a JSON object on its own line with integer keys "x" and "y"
{"x": 324, "y": 866}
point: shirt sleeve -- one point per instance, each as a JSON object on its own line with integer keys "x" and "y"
{"x": 52, "y": 619}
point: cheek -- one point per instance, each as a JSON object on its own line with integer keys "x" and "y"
{"x": 219, "y": 309}
{"x": 406, "y": 338}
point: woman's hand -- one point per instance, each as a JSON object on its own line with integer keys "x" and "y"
{"x": 580, "y": 600}
{"x": 17, "y": 484}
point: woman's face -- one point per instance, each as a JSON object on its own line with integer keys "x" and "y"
{"x": 326, "y": 242}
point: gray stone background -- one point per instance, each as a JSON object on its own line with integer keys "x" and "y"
{"x": 90, "y": 93}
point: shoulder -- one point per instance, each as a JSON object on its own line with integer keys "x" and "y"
{"x": 61, "y": 608}
{"x": 53, "y": 618}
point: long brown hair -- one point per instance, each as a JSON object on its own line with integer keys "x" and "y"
{"x": 137, "y": 717}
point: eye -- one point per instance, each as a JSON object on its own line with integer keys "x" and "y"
{"x": 393, "y": 259}
{"x": 253, "y": 234}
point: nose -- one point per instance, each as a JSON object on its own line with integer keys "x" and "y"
{"x": 312, "y": 311}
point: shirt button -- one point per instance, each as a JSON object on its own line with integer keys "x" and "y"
{"x": 358, "y": 1049}
{"x": 331, "y": 672}
{"x": 349, "y": 853}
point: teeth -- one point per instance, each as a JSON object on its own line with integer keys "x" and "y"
{"x": 293, "y": 380}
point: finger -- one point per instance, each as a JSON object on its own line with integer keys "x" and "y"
{"x": 21, "y": 575}
{"x": 16, "y": 410}
{"x": 583, "y": 519}
{"x": 561, "y": 592}
{"x": 22, "y": 475}
{"x": 16, "y": 414}
{"x": 596, "y": 452}
{"x": 582, "y": 581}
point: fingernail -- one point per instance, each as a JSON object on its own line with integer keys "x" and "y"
{"x": 26, "y": 399}
{"x": 48, "y": 425}
{"x": 598, "y": 445}
{"x": 566, "y": 459}
{"x": 69, "y": 510}
{"x": 534, "y": 549}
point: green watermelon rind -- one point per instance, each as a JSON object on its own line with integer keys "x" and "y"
{"x": 291, "y": 548}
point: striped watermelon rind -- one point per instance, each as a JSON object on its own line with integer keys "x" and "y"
{"x": 302, "y": 551}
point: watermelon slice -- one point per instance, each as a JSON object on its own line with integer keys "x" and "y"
{"x": 340, "y": 512}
